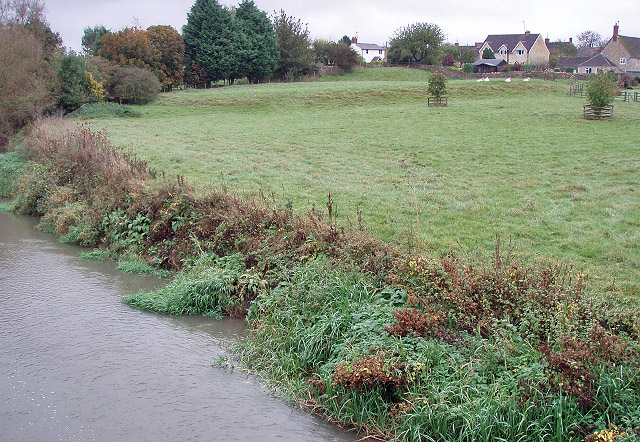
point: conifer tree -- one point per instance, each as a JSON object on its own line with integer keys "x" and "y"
{"x": 212, "y": 41}
{"x": 260, "y": 54}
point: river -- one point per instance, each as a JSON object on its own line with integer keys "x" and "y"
{"x": 76, "y": 364}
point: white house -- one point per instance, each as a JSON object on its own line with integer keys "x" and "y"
{"x": 369, "y": 51}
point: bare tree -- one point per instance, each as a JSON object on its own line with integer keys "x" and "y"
{"x": 21, "y": 12}
{"x": 590, "y": 39}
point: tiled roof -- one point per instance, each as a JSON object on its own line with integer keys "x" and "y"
{"x": 632, "y": 44}
{"x": 370, "y": 46}
{"x": 599, "y": 61}
{"x": 490, "y": 61}
{"x": 570, "y": 62}
{"x": 511, "y": 41}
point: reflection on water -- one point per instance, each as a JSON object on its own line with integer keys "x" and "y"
{"x": 77, "y": 364}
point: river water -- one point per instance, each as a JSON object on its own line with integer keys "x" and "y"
{"x": 76, "y": 364}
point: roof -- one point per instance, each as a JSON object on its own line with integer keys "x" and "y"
{"x": 490, "y": 61}
{"x": 631, "y": 44}
{"x": 588, "y": 51}
{"x": 511, "y": 41}
{"x": 369, "y": 46}
{"x": 599, "y": 61}
{"x": 570, "y": 62}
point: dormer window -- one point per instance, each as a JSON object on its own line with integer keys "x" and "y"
{"x": 623, "y": 61}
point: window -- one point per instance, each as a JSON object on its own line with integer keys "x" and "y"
{"x": 623, "y": 61}
{"x": 380, "y": 51}
{"x": 587, "y": 70}
{"x": 520, "y": 51}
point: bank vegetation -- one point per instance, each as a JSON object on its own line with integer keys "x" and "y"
{"x": 399, "y": 346}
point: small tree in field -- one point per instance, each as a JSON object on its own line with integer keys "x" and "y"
{"x": 601, "y": 89}
{"x": 437, "y": 85}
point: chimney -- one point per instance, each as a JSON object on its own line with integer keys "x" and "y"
{"x": 615, "y": 32}
{"x": 456, "y": 44}
{"x": 571, "y": 40}
{"x": 527, "y": 32}
{"x": 546, "y": 41}
{"x": 354, "y": 40}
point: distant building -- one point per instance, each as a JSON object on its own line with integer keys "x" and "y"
{"x": 596, "y": 64}
{"x": 487, "y": 65}
{"x": 624, "y": 52}
{"x": 517, "y": 48}
{"x": 369, "y": 51}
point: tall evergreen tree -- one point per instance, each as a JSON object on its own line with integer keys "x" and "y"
{"x": 260, "y": 55}
{"x": 212, "y": 42}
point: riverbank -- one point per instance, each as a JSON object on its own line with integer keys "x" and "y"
{"x": 399, "y": 346}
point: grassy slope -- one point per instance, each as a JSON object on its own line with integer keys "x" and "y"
{"x": 509, "y": 160}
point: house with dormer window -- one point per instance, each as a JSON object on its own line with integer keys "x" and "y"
{"x": 517, "y": 48}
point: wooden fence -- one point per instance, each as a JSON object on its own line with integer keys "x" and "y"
{"x": 597, "y": 112}
{"x": 437, "y": 101}
{"x": 630, "y": 96}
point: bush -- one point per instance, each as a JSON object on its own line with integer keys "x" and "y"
{"x": 105, "y": 110}
{"x": 437, "y": 85}
{"x": 133, "y": 85}
{"x": 468, "y": 68}
{"x": 601, "y": 89}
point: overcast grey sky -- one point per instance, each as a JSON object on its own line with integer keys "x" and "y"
{"x": 374, "y": 21}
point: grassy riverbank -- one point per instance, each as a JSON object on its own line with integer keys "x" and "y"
{"x": 514, "y": 161}
{"x": 401, "y": 346}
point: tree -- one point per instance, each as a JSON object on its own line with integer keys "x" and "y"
{"x": 346, "y": 40}
{"x": 212, "y": 43}
{"x": 488, "y": 54}
{"x": 321, "y": 50}
{"x": 461, "y": 54}
{"x": 260, "y": 56}
{"x": 132, "y": 85}
{"x": 91, "y": 39}
{"x": 77, "y": 83}
{"x": 130, "y": 47}
{"x": 590, "y": 39}
{"x": 294, "y": 46}
{"x": 437, "y": 85}
{"x": 449, "y": 60}
{"x": 343, "y": 56}
{"x": 169, "y": 47}
{"x": 601, "y": 89}
{"x": 421, "y": 41}
{"x": 26, "y": 72}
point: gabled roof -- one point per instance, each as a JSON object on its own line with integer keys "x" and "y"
{"x": 570, "y": 62}
{"x": 511, "y": 41}
{"x": 631, "y": 44}
{"x": 369, "y": 46}
{"x": 599, "y": 61}
{"x": 490, "y": 61}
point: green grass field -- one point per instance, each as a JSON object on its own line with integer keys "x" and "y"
{"x": 514, "y": 161}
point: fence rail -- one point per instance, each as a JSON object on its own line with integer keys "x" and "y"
{"x": 437, "y": 101}
{"x": 598, "y": 112}
{"x": 629, "y": 96}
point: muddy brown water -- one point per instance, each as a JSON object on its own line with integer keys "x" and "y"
{"x": 77, "y": 364}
